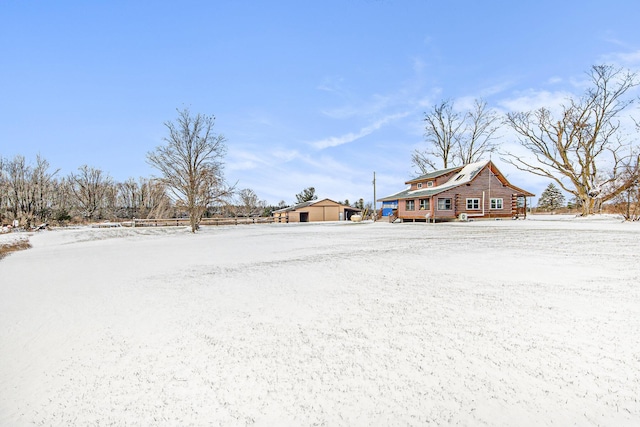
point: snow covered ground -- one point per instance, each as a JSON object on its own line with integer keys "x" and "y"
{"x": 533, "y": 322}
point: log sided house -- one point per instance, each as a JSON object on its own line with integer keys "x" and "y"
{"x": 476, "y": 190}
{"x": 314, "y": 211}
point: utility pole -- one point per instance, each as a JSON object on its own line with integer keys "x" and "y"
{"x": 375, "y": 205}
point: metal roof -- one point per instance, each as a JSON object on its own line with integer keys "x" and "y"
{"x": 311, "y": 203}
{"x": 434, "y": 174}
{"x": 464, "y": 175}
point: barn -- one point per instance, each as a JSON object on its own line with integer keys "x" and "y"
{"x": 315, "y": 211}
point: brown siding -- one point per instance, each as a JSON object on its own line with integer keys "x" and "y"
{"x": 459, "y": 195}
{"x": 294, "y": 216}
{"x": 414, "y": 214}
{"x": 323, "y": 213}
{"x": 324, "y": 210}
{"x": 475, "y": 189}
{"x": 437, "y": 181}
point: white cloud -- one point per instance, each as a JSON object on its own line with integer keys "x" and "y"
{"x": 285, "y": 155}
{"x": 341, "y": 113}
{"x": 243, "y": 159}
{"x": 418, "y": 65}
{"x": 242, "y": 165}
{"x": 372, "y": 106}
{"x": 464, "y": 103}
{"x": 335, "y": 141}
{"x": 629, "y": 59}
{"x": 332, "y": 84}
{"x": 534, "y": 99}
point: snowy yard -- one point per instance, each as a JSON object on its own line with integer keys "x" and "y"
{"x": 532, "y": 322}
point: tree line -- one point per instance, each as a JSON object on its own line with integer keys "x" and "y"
{"x": 36, "y": 193}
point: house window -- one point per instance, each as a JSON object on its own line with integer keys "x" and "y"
{"x": 444, "y": 204}
{"x": 410, "y": 205}
{"x": 424, "y": 204}
{"x": 429, "y": 183}
{"x": 473, "y": 204}
{"x": 419, "y": 185}
{"x": 496, "y": 203}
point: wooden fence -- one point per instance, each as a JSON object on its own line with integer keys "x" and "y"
{"x": 168, "y": 222}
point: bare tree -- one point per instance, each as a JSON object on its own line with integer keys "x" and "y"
{"x": 129, "y": 198}
{"x": 154, "y": 201}
{"x": 627, "y": 202}
{"x": 574, "y": 148}
{"x": 143, "y": 199}
{"x": 4, "y": 192}
{"x": 91, "y": 189}
{"x": 249, "y": 203}
{"x": 480, "y": 131}
{"x": 18, "y": 177}
{"x": 63, "y": 201}
{"x": 42, "y": 189}
{"x": 27, "y": 190}
{"x": 191, "y": 164}
{"x": 455, "y": 138}
{"x": 443, "y": 130}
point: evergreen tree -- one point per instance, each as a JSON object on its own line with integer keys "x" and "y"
{"x": 306, "y": 195}
{"x": 551, "y": 198}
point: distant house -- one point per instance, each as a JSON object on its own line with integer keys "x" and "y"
{"x": 315, "y": 210}
{"x": 476, "y": 190}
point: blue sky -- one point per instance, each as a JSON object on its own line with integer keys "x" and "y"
{"x": 307, "y": 93}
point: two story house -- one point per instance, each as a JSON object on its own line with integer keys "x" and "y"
{"x": 476, "y": 190}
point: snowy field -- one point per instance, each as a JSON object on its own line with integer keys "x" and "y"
{"x": 533, "y": 322}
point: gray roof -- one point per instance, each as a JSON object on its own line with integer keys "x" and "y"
{"x": 294, "y": 207}
{"x": 435, "y": 174}
{"x": 464, "y": 175}
{"x": 313, "y": 202}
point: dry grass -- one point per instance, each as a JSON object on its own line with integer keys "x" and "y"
{"x": 7, "y": 248}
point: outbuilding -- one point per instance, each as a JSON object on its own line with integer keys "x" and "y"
{"x": 315, "y": 211}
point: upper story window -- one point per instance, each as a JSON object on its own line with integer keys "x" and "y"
{"x": 496, "y": 204}
{"x": 419, "y": 185}
{"x": 429, "y": 183}
{"x": 473, "y": 204}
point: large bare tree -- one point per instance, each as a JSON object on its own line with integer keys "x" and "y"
{"x": 479, "y": 138}
{"x": 583, "y": 148}
{"x": 443, "y": 130}
{"x": 456, "y": 138}
{"x": 191, "y": 165}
